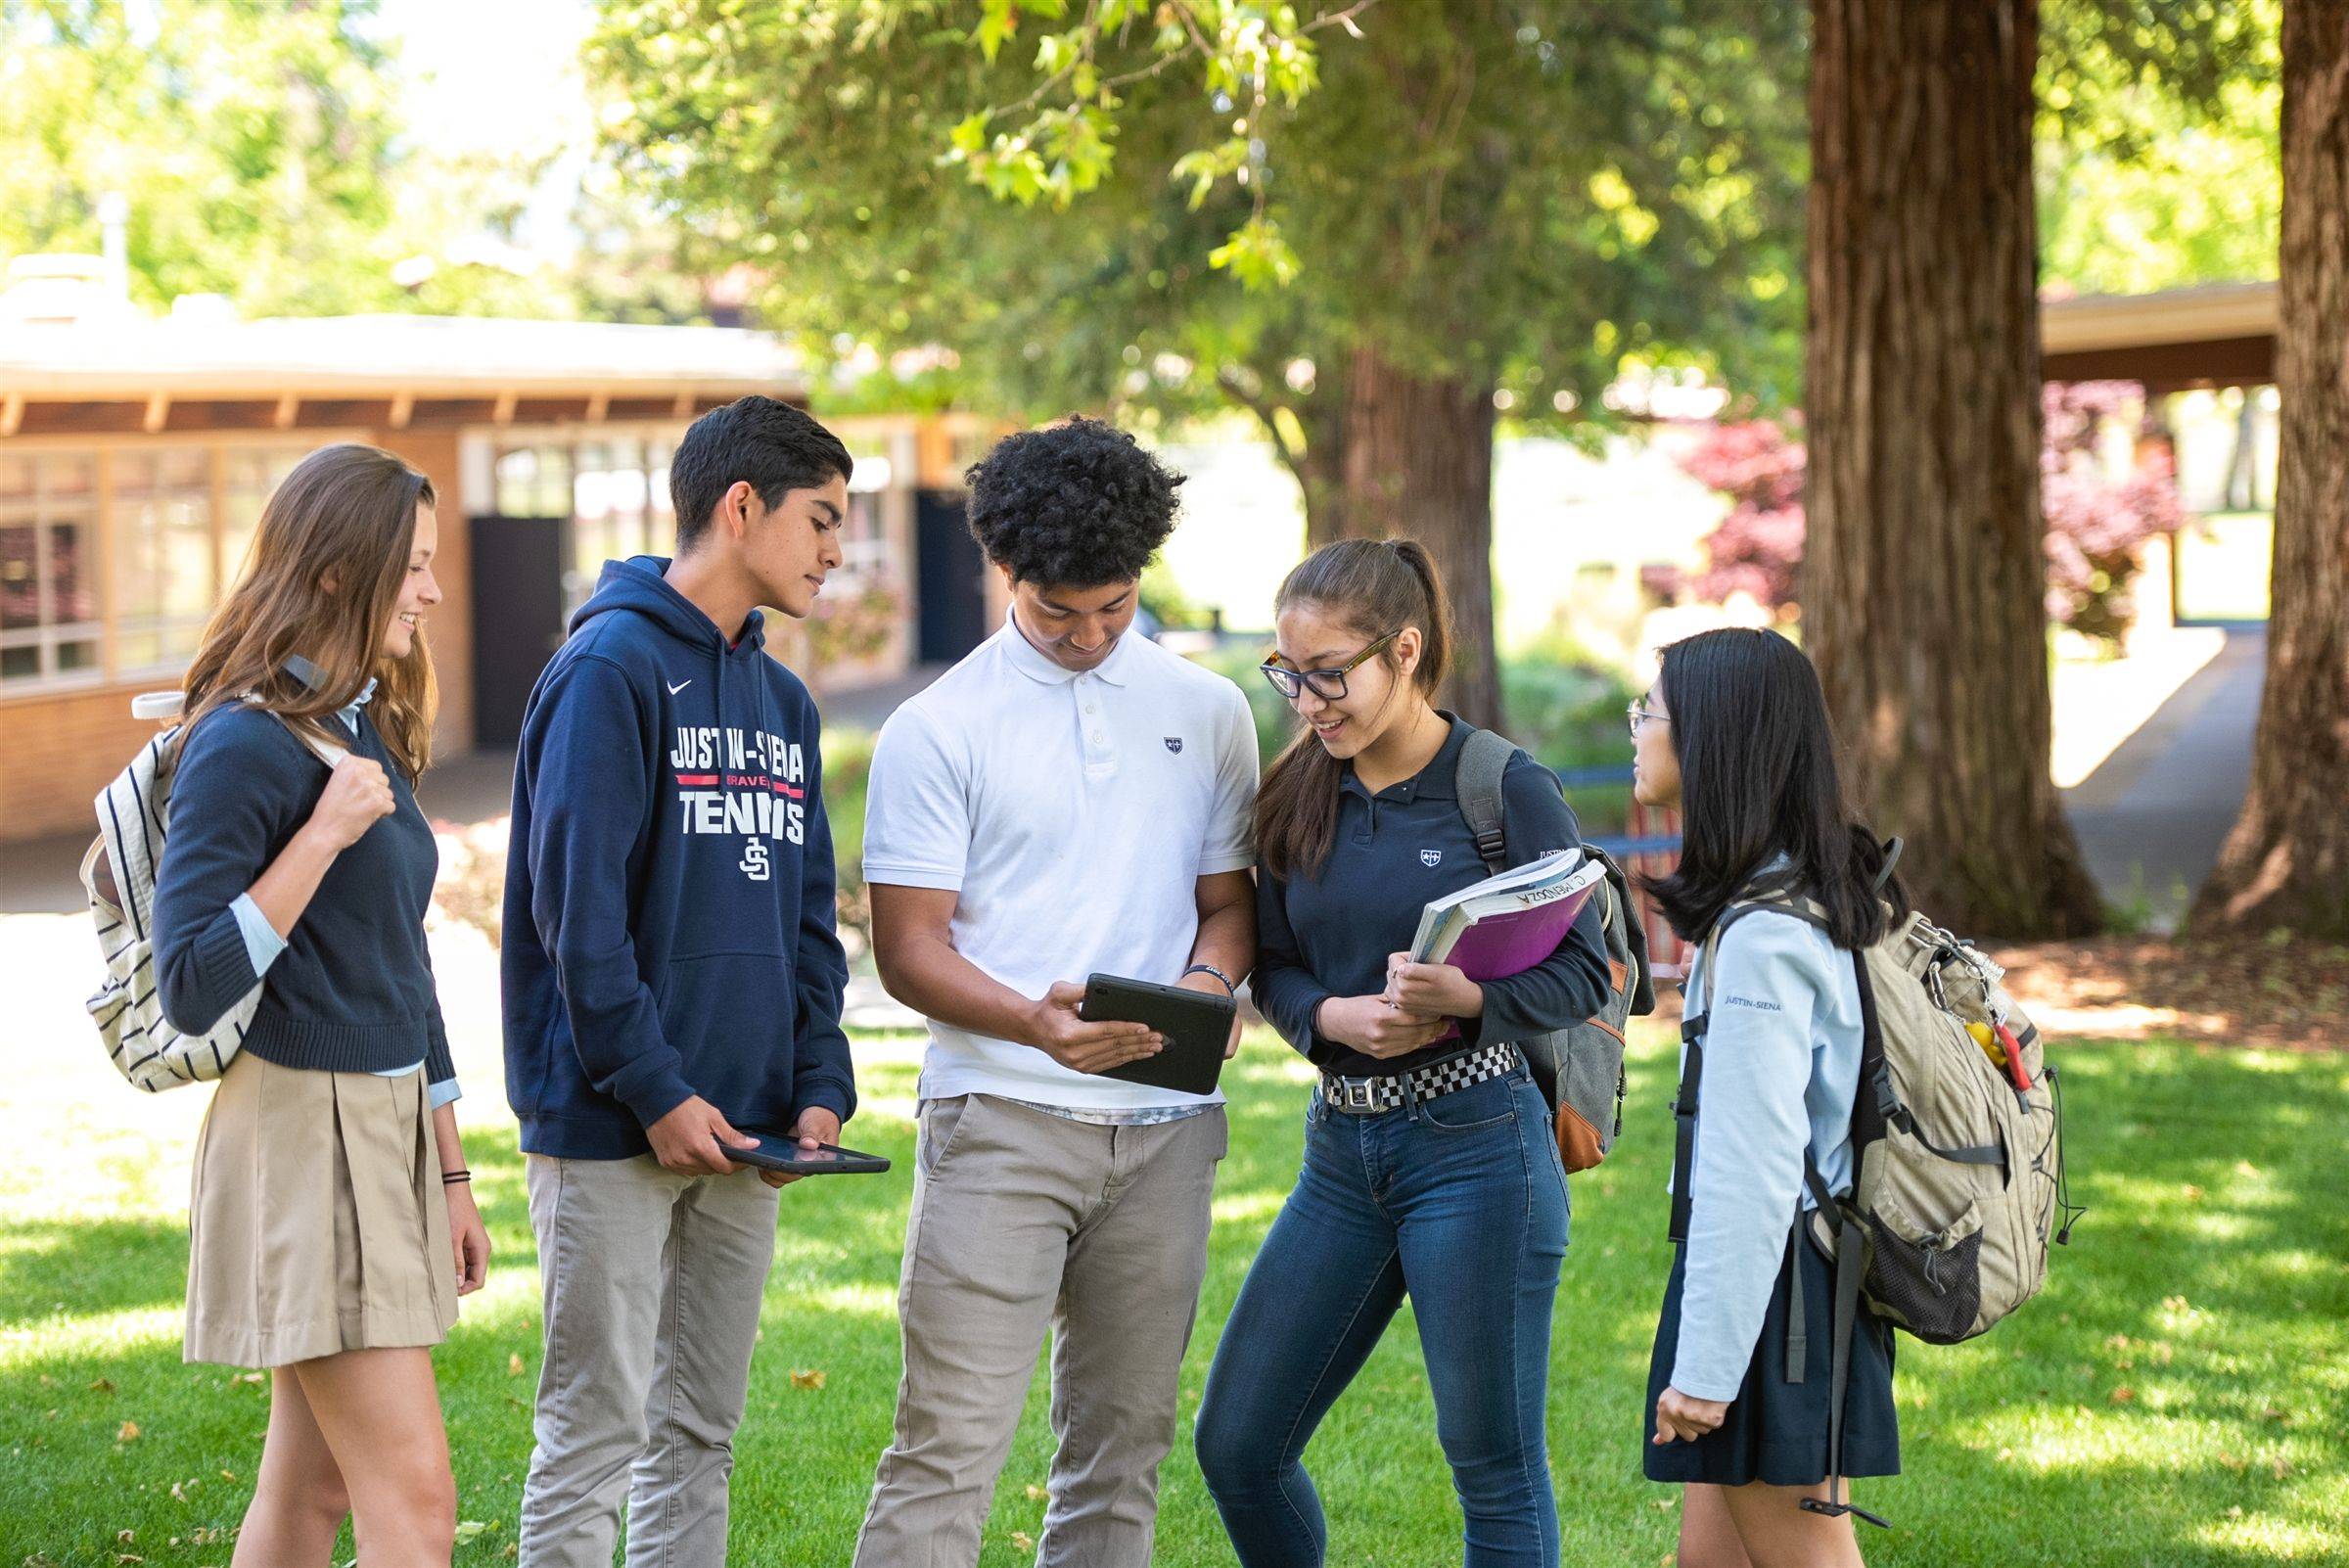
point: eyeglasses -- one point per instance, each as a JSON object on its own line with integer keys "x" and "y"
{"x": 1327, "y": 684}
{"x": 1641, "y": 718}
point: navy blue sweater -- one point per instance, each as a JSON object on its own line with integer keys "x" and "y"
{"x": 1328, "y": 933}
{"x": 354, "y": 990}
{"x": 669, "y": 915}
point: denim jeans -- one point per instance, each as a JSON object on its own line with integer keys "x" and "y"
{"x": 1460, "y": 1203}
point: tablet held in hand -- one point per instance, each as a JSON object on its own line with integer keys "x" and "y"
{"x": 779, "y": 1151}
{"x": 1195, "y": 1025}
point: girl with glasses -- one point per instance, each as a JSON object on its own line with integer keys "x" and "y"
{"x": 1734, "y": 737}
{"x": 1431, "y": 1168}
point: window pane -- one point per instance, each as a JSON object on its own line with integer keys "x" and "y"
{"x": 163, "y": 534}
{"x": 69, "y": 475}
{"x": 136, "y": 649}
{"x": 19, "y": 664}
{"x": 656, "y": 477}
{"x": 19, "y": 578}
{"x": 72, "y": 594}
{"x": 76, "y": 657}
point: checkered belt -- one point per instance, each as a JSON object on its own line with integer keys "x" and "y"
{"x": 1369, "y": 1096}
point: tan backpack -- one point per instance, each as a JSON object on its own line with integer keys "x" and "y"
{"x": 1958, "y": 1164}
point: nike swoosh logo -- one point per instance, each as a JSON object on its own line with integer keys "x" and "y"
{"x": 679, "y": 687}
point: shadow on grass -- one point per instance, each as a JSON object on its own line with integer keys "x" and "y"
{"x": 2177, "y": 1396}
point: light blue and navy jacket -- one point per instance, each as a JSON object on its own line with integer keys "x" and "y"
{"x": 1783, "y": 1038}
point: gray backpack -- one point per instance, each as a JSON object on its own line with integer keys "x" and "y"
{"x": 1579, "y": 1069}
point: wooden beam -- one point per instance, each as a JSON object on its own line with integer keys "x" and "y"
{"x": 288, "y": 406}
{"x": 503, "y": 414}
{"x": 12, "y": 413}
{"x": 598, "y": 405}
{"x": 404, "y": 409}
{"x": 684, "y": 403}
{"x": 158, "y": 410}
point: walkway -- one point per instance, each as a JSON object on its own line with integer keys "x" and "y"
{"x": 2151, "y": 818}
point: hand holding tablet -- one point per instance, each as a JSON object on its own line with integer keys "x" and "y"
{"x": 778, "y": 1151}
{"x": 1196, "y": 1025}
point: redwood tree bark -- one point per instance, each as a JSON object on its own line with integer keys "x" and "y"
{"x": 1923, "y": 580}
{"x": 2286, "y": 866}
{"x": 1416, "y": 459}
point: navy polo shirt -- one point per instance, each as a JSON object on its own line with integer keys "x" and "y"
{"x": 1329, "y": 932}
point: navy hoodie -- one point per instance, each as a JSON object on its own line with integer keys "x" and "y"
{"x": 668, "y": 914}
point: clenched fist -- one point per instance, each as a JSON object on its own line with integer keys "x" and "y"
{"x": 355, "y": 798}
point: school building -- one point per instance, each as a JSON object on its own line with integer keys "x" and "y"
{"x": 136, "y": 454}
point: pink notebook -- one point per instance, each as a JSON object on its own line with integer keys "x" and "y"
{"x": 1499, "y": 946}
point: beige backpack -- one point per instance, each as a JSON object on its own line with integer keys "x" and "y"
{"x": 1959, "y": 1178}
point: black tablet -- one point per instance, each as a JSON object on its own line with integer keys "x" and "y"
{"x": 1195, "y": 1025}
{"x": 777, "y": 1151}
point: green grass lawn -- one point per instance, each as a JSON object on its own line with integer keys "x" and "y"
{"x": 2178, "y": 1397}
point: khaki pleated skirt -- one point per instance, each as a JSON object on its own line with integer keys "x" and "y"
{"x": 317, "y": 1223}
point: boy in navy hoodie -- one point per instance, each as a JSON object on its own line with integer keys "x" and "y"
{"x": 672, "y": 978}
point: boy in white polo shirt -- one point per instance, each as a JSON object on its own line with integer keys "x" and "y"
{"x": 1066, "y": 799}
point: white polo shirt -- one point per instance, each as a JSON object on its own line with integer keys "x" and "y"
{"x": 1074, "y": 814}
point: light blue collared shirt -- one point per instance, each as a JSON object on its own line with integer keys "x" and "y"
{"x": 1782, "y": 1043}
{"x": 262, "y": 944}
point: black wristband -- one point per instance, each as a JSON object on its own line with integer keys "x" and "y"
{"x": 449, "y": 1179}
{"x": 1210, "y": 969}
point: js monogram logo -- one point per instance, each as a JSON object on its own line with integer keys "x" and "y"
{"x": 755, "y": 864}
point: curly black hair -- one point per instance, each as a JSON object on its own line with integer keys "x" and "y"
{"x": 1076, "y": 505}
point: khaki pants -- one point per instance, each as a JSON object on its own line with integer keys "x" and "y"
{"x": 1024, "y": 1221}
{"x": 652, "y": 1283}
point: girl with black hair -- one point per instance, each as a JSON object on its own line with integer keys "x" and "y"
{"x": 1735, "y": 736}
{"x": 1429, "y": 1167}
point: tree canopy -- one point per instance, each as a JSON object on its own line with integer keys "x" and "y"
{"x": 1211, "y": 204}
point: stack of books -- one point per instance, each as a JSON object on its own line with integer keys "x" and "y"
{"x": 1508, "y": 923}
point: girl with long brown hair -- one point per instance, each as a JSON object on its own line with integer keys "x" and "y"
{"x": 332, "y": 1224}
{"x": 1430, "y": 1167}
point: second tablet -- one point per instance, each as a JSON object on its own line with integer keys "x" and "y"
{"x": 1195, "y": 1026}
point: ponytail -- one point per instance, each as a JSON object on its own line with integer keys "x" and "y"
{"x": 1374, "y": 586}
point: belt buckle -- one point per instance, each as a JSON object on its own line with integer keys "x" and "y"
{"x": 1354, "y": 1095}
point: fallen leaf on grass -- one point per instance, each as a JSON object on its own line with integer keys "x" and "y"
{"x": 1036, "y": 1494}
{"x": 104, "y": 1385}
{"x": 514, "y": 1364}
{"x": 2123, "y": 1395}
{"x": 471, "y": 1529}
{"x": 128, "y": 1434}
{"x": 808, "y": 1377}
{"x": 1023, "y": 1540}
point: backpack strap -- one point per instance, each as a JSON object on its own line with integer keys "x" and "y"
{"x": 1892, "y": 858}
{"x": 1692, "y": 1068}
{"x": 1851, "y": 1246}
{"x": 1483, "y": 758}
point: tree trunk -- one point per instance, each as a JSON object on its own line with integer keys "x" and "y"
{"x": 1418, "y": 461}
{"x": 2286, "y": 866}
{"x": 1923, "y": 579}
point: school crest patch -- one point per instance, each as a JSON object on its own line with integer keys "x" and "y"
{"x": 1430, "y": 858}
{"x": 1174, "y": 744}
